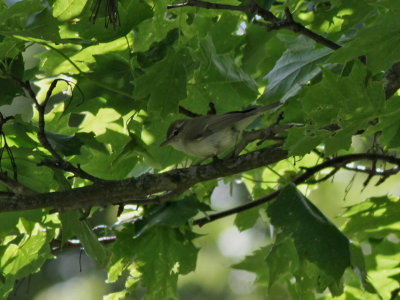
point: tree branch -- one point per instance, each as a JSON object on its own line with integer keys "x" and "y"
{"x": 392, "y": 76}
{"x": 208, "y": 5}
{"x": 289, "y": 24}
{"x": 338, "y": 161}
{"x": 59, "y": 161}
{"x": 145, "y": 189}
{"x": 274, "y": 23}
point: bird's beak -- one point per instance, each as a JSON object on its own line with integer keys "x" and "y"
{"x": 166, "y": 142}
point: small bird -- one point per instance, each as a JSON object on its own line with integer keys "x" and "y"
{"x": 210, "y": 135}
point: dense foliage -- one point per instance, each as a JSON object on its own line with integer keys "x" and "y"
{"x": 88, "y": 89}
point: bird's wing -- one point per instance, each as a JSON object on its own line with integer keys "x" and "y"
{"x": 216, "y": 123}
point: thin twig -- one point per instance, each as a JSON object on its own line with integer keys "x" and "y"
{"x": 209, "y": 5}
{"x": 336, "y": 161}
{"x": 384, "y": 174}
{"x": 326, "y": 177}
{"x": 187, "y": 112}
{"x": 59, "y": 161}
{"x": 274, "y": 23}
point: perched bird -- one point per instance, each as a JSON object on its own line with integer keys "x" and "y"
{"x": 210, "y": 135}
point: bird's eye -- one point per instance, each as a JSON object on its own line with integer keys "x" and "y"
{"x": 176, "y": 131}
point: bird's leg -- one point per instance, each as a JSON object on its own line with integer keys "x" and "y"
{"x": 212, "y": 110}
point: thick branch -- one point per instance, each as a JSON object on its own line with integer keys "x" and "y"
{"x": 146, "y": 189}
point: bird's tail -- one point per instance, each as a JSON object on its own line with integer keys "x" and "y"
{"x": 267, "y": 107}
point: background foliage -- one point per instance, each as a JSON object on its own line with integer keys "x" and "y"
{"x": 120, "y": 87}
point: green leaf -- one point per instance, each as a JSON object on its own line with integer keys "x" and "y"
{"x": 88, "y": 139}
{"x": 9, "y": 221}
{"x": 68, "y": 145}
{"x": 350, "y": 103}
{"x": 301, "y": 140}
{"x": 114, "y": 89}
{"x": 30, "y": 175}
{"x": 74, "y": 226}
{"x": 173, "y": 214}
{"x": 10, "y": 67}
{"x": 293, "y": 70}
{"x": 381, "y": 54}
{"x": 358, "y": 265}
{"x": 67, "y": 9}
{"x": 20, "y": 132}
{"x": 162, "y": 254}
{"x": 315, "y": 237}
{"x": 247, "y": 219}
{"x": 16, "y": 15}
{"x": 374, "y": 215}
{"x": 158, "y": 50}
{"x": 170, "y": 76}
{"x": 25, "y": 255}
{"x": 388, "y": 124}
{"x": 134, "y": 148}
{"x": 261, "y": 51}
{"x": 220, "y": 79}
{"x": 131, "y": 14}
{"x": 282, "y": 260}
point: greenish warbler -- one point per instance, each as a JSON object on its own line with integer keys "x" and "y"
{"x": 211, "y": 135}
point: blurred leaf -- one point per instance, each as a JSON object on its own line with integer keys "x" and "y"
{"x": 30, "y": 175}
{"x": 358, "y": 265}
{"x": 372, "y": 215}
{"x": 257, "y": 264}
